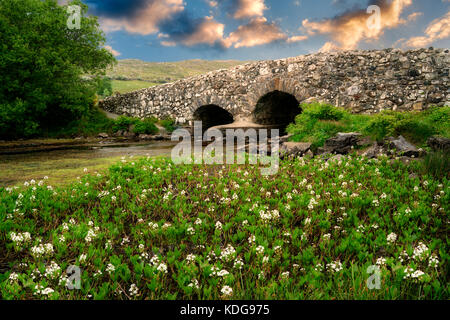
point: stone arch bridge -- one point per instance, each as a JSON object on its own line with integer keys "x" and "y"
{"x": 269, "y": 92}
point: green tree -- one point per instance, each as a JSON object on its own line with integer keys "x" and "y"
{"x": 49, "y": 73}
{"x": 105, "y": 87}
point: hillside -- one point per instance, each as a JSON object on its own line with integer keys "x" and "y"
{"x": 134, "y": 74}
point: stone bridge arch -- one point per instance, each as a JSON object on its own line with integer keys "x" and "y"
{"x": 212, "y": 99}
{"x": 212, "y": 115}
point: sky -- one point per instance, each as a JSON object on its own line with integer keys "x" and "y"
{"x": 173, "y": 30}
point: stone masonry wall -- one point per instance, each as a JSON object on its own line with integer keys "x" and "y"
{"x": 361, "y": 81}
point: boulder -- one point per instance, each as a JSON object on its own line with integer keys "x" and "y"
{"x": 374, "y": 151}
{"x": 103, "y": 135}
{"x": 294, "y": 149}
{"x": 285, "y": 138}
{"x": 145, "y": 137}
{"x": 129, "y": 134}
{"x": 439, "y": 143}
{"x": 342, "y": 143}
{"x": 403, "y": 147}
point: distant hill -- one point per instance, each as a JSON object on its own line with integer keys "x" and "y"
{"x": 132, "y": 74}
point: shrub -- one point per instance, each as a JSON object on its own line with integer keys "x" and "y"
{"x": 91, "y": 124}
{"x": 323, "y": 111}
{"x": 146, "y": 126}
{"x": 319, "y": 122}
{"x": 168, "y": 124}
{"x": 381, "y": 126}
{"x": 123, "y": 123}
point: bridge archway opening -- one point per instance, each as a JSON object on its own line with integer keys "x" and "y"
{"x": 276, "y": 109}
{"x": 212, "y": 115}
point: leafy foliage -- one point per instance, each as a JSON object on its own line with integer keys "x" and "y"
{"x": 153, "y": 230}
{"x": 104, "y": 87}
{"x": 146, "y": 126}
{"x": 123, "y": 123}
{"x": 319, "y": 122}
{"x": 48, "y": 73}
{"x": 168, "y": 124}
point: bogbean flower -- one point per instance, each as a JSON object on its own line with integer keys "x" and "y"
{"x": 108, "y": 244}
{"x": 335, "y": 266}
{"x": 312, "y": 203}
{"x": 110, "y": 268}
{"x": 411, "y": 274}
{"x": 392, "y": 237}
{"x": 318, "y": 267}
{"x": 218, "y": 225}
{"x": 420, "y": 252}
{"x": 134, "y": 291}
{"x": 260, "y": 249}
{"x": 52, "y": 270}
{"x": 90, "y": 235}
{"x": 166, "y": 225}
{"x": 381, "y": 261}
{"x": 194, "y": 284}
{"x": 82, "y": 258}
{"x": 153, "y": 225}
{"x": 20, "y": 238}
{"x": 223, "y": 273}
{"x": 42, "y": 250}
{"x": 285, "y": 275}
{"x": 190, "y": 231}
{"x": 39, "y": 289}
{"x": 238, "y": 264}
{"x": 227, "y": 291}
{"x": 125, "y": 240}
{"x": 162, "y": 267}
{"x": 433, "y": 261}
{"x": 13, "y": 277}
{"x": 228, "y": 253}
{"x": 190, "y": 258}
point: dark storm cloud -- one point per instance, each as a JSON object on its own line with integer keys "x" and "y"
{"x": 116, "y": 8}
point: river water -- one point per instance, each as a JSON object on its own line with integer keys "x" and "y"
{"x": 69, "y": 163}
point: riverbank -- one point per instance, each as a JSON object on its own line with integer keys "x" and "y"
{"x": 62, "y": 161}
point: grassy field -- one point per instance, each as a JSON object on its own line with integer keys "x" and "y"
{"x": 130, "y": 75}
{"x": 124, "y": 86}
{"x": 319, "y": 122}
{"x": 148, "y": 229}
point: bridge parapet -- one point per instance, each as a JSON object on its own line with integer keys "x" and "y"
{"x": 361, "y": 81}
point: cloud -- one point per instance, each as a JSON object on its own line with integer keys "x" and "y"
{"x": 257, "y": 32}
{"x": 114, "y": 52}
{"x": 297, "y": 39}
{"x": 349, "y": 28}
{"x": 438, "y": 29}
{"x": 204, "y": 31}
{"x": 414, "y": 16}
{"x": 135, "y": 16}
{"x": 212, "y": 3}
{"x": 176, "y": 26}
{"x": 249, "y": 8}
